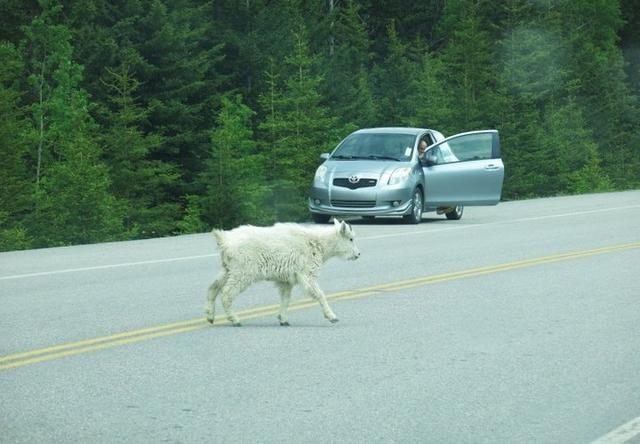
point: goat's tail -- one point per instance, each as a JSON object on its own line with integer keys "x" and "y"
{"x": 219, "y": 235}
{"x": 222, "y": 246}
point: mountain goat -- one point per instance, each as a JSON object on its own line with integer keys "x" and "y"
{"x": 285, "y": 253}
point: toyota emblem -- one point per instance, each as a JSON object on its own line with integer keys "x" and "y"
{"x": 354, "y": 179}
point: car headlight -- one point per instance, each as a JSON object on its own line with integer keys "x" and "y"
{"x": 321, "y": 174}
{"x": 400, "y": 175}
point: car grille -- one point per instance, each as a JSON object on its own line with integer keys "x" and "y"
{"x": 354, "y": 203}
{"x": 362, "y": 183}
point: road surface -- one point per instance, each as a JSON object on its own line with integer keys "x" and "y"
{"x": 518, "y": 323}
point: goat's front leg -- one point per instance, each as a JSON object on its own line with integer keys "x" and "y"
{"x": 312, "y": 288}
{"x": 285, "y": 297}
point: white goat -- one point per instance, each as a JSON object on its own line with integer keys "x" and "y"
{"x": 286, "y": 253}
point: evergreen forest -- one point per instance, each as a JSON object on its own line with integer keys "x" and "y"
{"x": 145, "y": 118}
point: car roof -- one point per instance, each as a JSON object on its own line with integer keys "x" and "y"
{"x": 393, "y": 129}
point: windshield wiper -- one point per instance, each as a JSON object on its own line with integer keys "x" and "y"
{"x": 377, "y": 157}
{"x": 341, "y": 156}
{"x": 369, "y": 157}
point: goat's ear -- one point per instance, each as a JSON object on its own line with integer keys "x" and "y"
{"x": 344, "y": 228}
{"x": 336, "y": 222}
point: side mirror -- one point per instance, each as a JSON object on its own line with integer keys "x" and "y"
{"x": 431, "y": 160}
{"x": 324, "y": 156}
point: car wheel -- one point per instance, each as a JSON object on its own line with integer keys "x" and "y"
{"x": 320, "y": 218}
{"x": 415, "y": 216}
{"x": 455, "y": 213}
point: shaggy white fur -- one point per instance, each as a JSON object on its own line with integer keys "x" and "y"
{"x": 285, "y": 253}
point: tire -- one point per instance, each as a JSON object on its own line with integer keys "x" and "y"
{"x": 320, "y": 218}
{"x": 415, "y": 216}
{"x": 456, "y": 213}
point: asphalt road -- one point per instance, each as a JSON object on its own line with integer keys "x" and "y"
{"x": 519, "y": 323}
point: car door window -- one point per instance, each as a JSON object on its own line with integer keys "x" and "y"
{"x": 465, "y": 147}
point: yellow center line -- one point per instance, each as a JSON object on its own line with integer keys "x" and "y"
{"x": 144, "y": 334}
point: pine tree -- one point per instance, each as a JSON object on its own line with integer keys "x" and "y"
{"x": 597, "y": 72}
{"x": 590, "y": 178}
{"x": 471, "y": 73}
{"x": 180, "y": 78}
{"x": 532, "y": 76}
{"x": 137, "y": 180}
{"x": 296, "y": 128}
{"x": 273, "y": 124}
{"x": 414, "y": 22}
{"x": 73, "y": 203}
{"x": 312, "y": 131}
{"x": 175, "y": 50}
{"x": 16, "y": 14}
{"x": 347, "y": 83}
{"x": 394, "y": 78}
{"x": 430, "y": 105}
{"x": 630, "y": 43}
{"x": 571, "y": 152}
{"x": 16, "y": 190}
{"x": 256, "y": 32}
{"x": 233, "y": 176}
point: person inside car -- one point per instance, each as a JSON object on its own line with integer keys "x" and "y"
{"x": 422, "y": 148}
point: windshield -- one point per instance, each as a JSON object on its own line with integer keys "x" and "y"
{"x": 376, "y": 146}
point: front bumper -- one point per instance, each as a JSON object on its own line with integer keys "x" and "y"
{"x": 337, "y": 201}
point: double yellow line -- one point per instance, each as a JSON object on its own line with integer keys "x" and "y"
{"x": 144, "y": 334}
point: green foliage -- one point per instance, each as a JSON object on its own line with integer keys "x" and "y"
{"x": 296, "y": 130}
{"x": 430, "y": 105}
{"x": 394, "y": 78}
{"x": 72, "y": 200}
{"x": 74, "y": 205}
{"x": 347, "y": 84}
{"x": 568, "y": 146}
{"x": 140, "y": 182}
{"x": 590, "y": 178}
{"x": 16, "y": 187}
{"x": 12, "y": 237}
{"x": 192, "y": 219}
{"x": 471, "y": 73}
{"x": 234, "y": 169}
{"x": 534, "y": 64}
{"x": 135, "y": 119}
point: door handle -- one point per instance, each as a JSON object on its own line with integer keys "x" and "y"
{"x": 492, "y": 167}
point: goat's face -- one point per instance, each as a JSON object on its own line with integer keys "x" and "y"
{"x": 346, "y": 247}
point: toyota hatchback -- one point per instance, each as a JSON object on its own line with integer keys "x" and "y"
{"x": 405, "y": 172}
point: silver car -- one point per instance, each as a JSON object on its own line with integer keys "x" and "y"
{"x": 380, "y": 172}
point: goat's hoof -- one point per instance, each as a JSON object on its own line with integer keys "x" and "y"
{"x": 334, "y": 320}
{"x": 210, "y": 321}
{"x": 237, "y": 324}
{"x": 285, "y": 324}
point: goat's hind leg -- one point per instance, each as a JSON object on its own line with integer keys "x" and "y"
{"x": 214, "y": 290}
{"x": 232, "y": 288}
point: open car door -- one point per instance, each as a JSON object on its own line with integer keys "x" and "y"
{"x": 464, "y": 169}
